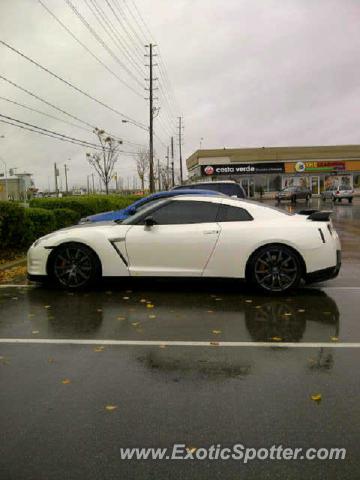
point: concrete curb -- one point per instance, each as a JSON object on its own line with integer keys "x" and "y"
{"x": 14, "y": 263}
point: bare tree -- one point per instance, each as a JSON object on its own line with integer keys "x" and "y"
{"x": 142, "y": 166}
{"x": 103, "y": 161}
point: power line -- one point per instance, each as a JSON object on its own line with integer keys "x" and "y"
{"x": 51, "y": 133}
{"x": 98, "y": 38}
{"x": 45, "y": 101}
{"x": 43, "y": 113}
{"x": 68, "y": 83}
{"x": 108, "y": 27}
{"x": 89, "y": 51}
{"x": 137, "y": 36}
{"x": 123, "y": 25}
{"x": 65, "y": 121}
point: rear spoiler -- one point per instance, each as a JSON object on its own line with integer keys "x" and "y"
{"x": 316, "y": 215}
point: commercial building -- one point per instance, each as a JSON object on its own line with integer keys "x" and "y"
{"x": 269, "y": 169}
{"x": 16, "y": 187}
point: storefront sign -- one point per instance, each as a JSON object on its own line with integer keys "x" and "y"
{"x": 242, "y": 169}
{"x": 316, "y": 166}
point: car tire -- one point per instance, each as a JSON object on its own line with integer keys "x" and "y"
{"x": 350, "y": 200}
{"x": 74, "y": 266}
{"x": 274, "y": 269}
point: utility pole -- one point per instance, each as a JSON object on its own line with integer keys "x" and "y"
{"x": 167, "y": 168}
{"x": 56, "y": 181}
{"x": 180, "y": 151}
{"x": 158, "y": 169}
{"x": 151, "y": 124}
{"x": 172, "y": 162}
{"x": 66, "y": 178}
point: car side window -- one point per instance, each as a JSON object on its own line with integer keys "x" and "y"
{"x": 185, "y": 212}
{"x": 228, "y": 213}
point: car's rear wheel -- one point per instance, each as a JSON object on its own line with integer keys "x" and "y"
{"x": 74, "y": 266}
{"x": 275, "y": 268}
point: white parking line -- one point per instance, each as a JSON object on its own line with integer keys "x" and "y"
{"x": 18, "y": 286}
{"x": 176, "y": 343}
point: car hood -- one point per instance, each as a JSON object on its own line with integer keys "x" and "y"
{"x": 106, "y": 216}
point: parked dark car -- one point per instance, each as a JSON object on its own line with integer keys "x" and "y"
{"x": 293, "y": 194}
{"x": 227, "y": 187}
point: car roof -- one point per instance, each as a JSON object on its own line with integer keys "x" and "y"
{"x": 201, "y": 182}
{"x": 184, "y": 191}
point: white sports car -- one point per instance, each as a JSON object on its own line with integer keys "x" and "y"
{"x": 194, "y": 236}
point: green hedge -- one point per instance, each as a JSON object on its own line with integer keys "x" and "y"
{"x": 20, "y": 226}
{"x": 64, "y": 217}
{"x": 38, "y": 222}
{"x": 86, "y": 205}
{"x": 12, "y": 220}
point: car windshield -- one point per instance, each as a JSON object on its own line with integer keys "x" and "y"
{"x": 143, "y": 209}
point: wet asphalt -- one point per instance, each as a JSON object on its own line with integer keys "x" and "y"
{"x": 55, "y": 421}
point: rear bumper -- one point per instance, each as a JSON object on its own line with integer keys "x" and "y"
{"x": 325, "y": 273}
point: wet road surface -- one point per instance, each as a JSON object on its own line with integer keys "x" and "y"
{"x": 53, "y": 397}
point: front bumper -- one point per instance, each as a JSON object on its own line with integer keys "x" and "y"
{"x": 325, "y": 273}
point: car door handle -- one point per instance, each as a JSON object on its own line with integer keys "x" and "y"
{"x": 210, "y": 232}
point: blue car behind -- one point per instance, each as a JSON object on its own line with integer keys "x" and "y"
{"x": 120, "y": 215}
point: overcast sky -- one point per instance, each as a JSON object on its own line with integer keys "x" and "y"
{"x": 244, "y": 73}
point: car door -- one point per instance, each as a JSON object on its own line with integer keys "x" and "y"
{"x": 180, "y": 242}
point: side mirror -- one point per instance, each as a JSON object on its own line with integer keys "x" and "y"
{"x": 149, "y": 222}
{"x": 132, "y": 210}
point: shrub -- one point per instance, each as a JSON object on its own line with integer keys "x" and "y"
{"x": 11, "y": 224}
{"x": 85, "y": 205}
{"x": 38, "y": 222}
{"x": 64, "y": 217}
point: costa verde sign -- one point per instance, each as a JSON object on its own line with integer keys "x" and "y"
{"x": 242, "y": 169}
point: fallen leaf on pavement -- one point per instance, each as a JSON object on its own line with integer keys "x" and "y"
{"x": 334, "y": 339}
{"x": 216, "y": 332}
{"x": 126, "y": 298}
{"x": 214, "y": 344}
{"x": 248, "y": 301}
{"x": 149, "y": 305}
{"x": 120, "y": 318}
{"x": 152, "y": 316}
{"x": 47, "y": 306}
{"x": 35, "y": 332}
{"x": 110, "y": 408}
{"x": 276, "y": 339}
{"x": 301, "y": 310}
{"x": 66, "y": 381}
{"x": 316, "y": 397}
{"x": 100, "y": 348}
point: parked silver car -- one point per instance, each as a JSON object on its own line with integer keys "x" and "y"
{"x": 338, "y": 193}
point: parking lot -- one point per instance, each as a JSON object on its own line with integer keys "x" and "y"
{"x": 154, "y": 363}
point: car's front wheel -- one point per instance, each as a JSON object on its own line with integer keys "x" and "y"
{"x": 74, "y": 266}
{"x": 274, "y": 268}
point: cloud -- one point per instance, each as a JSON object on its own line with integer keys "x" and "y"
{"x": 245, "y": 73}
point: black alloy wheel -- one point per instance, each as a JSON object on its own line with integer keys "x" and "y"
{"x": 275, "y": 268}
{"x": 74, "y": 266}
